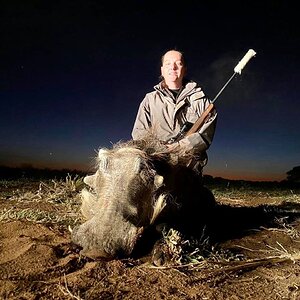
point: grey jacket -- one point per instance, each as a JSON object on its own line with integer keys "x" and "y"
{"x": 164, "y": 115}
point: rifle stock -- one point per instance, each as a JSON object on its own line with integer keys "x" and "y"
{"x": 201, "y": 120}
{"x": 190, "y": 128}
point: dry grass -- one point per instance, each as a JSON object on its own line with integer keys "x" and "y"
{"x": 62, "y": 199}
{"x": 61, "y": 192}
{"x": 286, "y": 228}
{"x": 270, "y": 196}
{"x": 66, "y": 292}
{"x": 199, "y": 256}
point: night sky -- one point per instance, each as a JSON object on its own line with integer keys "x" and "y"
{"x": 72, "y": 75}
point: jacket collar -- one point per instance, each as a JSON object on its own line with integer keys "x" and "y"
{"x": 188, "y": 86}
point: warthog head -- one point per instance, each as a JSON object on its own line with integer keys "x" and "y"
{"x": 125, "y": 195}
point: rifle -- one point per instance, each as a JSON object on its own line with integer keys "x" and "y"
{"x": 189, "y": 128}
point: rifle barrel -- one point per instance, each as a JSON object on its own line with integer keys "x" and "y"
{"x": 223, "y": 88}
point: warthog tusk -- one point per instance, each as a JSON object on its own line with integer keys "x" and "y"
{"x": 158, "y": 207}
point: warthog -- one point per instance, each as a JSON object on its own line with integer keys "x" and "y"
{"x": 137, "y": 184}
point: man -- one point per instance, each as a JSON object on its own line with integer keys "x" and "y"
{"x": 174, "y": 102}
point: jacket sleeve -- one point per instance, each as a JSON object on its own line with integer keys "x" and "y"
{"x": 142, "y": 122}
{"x": 200, "y": 141}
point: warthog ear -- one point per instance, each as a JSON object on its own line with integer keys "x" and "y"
{"x": 102, "y": 152}
{"x": 158, "y": 181}
{"x": 103, "y": 159}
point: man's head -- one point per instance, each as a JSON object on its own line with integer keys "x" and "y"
{"x": 173, "y": 68}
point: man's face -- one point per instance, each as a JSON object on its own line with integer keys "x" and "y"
{"x": 173, "y": 69}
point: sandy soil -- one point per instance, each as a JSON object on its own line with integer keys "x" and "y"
{"x": 38, "y": 260}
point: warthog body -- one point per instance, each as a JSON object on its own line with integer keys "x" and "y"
{"x": 135, "y": 185}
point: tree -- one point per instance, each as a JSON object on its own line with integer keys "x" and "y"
{"x": 294, "y": 174}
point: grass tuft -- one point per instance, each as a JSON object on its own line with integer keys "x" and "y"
{"x": 61, "y": 199}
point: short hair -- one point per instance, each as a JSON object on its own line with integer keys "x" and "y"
{"x": 182, "y": 56}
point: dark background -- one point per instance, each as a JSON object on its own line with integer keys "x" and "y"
{"x": 72, "y": 74}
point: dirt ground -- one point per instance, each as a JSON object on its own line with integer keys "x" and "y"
{"x": 38, "y": 260}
